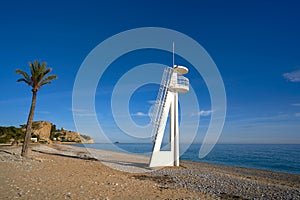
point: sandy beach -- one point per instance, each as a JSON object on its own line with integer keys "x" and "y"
{"x": 69, "y": 172}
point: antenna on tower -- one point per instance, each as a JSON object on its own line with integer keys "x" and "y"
{"x": 173, "y": 55}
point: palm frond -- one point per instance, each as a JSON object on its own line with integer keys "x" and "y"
{"x": 43, "y": 66}
{"x": 47, "y": 80}
{"x": 52, "y": 77}
{"x": 44, "y": 83}
{"x": 26, "y": 76}
{"x": 24, "y": 80}
{"x": 31, "y": 66}
{"x": 47, "y": 71}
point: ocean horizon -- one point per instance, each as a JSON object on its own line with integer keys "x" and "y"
{"x": 273, "y": 157}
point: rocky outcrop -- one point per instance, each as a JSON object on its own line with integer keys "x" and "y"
{"x": 67, "y": 136}
{"x": 42, "y": 130}
{"x": 87, "y": 140}
{"x": 47, "y": 132}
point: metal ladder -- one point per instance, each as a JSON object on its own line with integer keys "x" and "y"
{"x": 161, "y": 100}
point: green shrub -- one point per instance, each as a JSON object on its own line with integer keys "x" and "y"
{"x": 11, "y": 132}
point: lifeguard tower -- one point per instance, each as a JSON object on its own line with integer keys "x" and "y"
{"x": 172, "y": 83}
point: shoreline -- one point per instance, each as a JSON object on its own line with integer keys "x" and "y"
{"x": 266, "y": 168}
{"x": 80, "y": 176}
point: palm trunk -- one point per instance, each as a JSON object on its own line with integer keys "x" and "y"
{"x": 29, "y": 125}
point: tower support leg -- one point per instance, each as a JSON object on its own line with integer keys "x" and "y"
{"x": 176, "y": 131}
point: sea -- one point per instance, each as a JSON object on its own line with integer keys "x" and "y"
{"x": 273, "y": 157}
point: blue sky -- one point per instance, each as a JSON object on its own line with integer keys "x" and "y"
{"x": 255, "y": 45}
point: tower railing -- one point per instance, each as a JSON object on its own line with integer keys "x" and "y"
{"x": 181, "y": 84}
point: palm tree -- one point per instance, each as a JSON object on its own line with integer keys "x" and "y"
{"x": 37, "y": 79}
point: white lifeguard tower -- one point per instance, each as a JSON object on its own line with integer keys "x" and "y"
{"x": 172, "y": 83}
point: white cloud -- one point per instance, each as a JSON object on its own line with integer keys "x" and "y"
{"x": 43, "y": 112}
{"x": 205, "y": 112}
{"x": 151, "y": 101}
{"x": 297, "y": 114}
{"x": 140, "y": 114}
{"x": 277, "y": 117}
{"x": 83, "y": 112}
{"x": 292, "y": 76}
{"x": 79, "y": 110}
{"x": 296, "y": 104}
